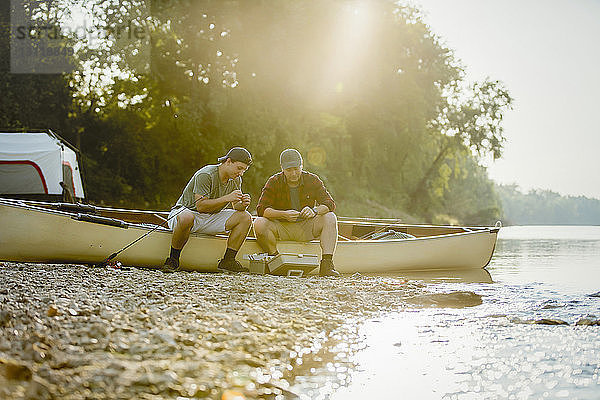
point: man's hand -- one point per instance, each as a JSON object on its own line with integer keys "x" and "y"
{"x": 243, "y": 203}
{"x": 235, "y": 196}
{"x": 307, "y": 213}
{"x": 245, "y": 200}
{"x": 291, "y": 215}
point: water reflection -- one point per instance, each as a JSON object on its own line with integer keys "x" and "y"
{"x": 319, "y": 372}
{"x": 480, "y": 352}
{"x": 459, "y": 276}
{"x": 566, "y": 259}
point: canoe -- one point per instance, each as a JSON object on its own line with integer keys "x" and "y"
{"x": 68, "y": 233}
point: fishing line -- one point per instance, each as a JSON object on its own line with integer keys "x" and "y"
{"x": 113, "y": 255}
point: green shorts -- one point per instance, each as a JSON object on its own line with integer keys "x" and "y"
{"x": 301, "y": 231}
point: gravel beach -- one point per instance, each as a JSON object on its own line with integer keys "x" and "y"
{"x": 74, "y": 331}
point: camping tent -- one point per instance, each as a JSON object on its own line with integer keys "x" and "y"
{"x": 39, "y": 163}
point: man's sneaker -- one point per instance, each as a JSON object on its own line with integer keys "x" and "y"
{"x": 170, "y": 265}
{"x": 231, "y": 265}
{"x": 327, "y": 268}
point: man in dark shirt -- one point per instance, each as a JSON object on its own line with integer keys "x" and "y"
{"x": 294, "y": 205}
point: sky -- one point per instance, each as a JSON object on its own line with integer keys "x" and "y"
{"x": 547, "y": 53}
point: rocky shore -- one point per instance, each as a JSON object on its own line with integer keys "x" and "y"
{"x": 73, "y": 331}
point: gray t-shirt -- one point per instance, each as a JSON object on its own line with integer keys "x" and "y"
{"x": 206, "y": 182}
{"x": 295, "y": 198}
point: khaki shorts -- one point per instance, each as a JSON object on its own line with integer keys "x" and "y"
{"x": 301, "y": 231}
{"x": 210, "y": 224}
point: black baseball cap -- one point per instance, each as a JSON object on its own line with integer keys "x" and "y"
{"x": 237, "y": 154}
{"x": 290, "y": 158}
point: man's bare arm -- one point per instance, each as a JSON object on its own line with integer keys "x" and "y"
{"x": 205, "y": 205}
{"x": 286, "y": 215}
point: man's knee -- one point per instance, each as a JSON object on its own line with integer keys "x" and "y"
{"x": 185, "y": 220}
{"x": 261, "y": 225}
{"x": 243, "y": 218}
{"x": 330, "y": 218}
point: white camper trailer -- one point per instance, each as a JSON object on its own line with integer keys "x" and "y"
{"x": 39, "y": 164}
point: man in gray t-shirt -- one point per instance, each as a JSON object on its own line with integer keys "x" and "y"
{"x": 207, "y": 183}
{"x": 212, "y": 202}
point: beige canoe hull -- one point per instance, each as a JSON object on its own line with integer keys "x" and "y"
{"x": 37, "y": 235}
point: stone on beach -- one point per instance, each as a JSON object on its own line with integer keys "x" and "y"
{"x": 541, "y": 321}
{"x": 590, "y": 320}
{"x": 80, "y": 332}
{"x": 458, "y": 299}
{"x": 12, "y": 369}
{"x": 52, "y": 311}
{"x": 550, "y": 321}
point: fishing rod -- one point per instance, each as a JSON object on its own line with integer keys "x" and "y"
{"x": 108, "y": 259}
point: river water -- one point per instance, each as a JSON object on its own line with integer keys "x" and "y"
{"x": 492, "y": 350}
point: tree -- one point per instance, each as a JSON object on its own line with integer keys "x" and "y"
{"x": 365, "y": 91}
{"x": 30, "y": 101}
{"x": 473, "y": 122}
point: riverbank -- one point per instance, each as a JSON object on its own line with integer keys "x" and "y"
{"x": 73, "y": 331}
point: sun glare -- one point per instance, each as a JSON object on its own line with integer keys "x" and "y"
{"x": 350, "y": 36}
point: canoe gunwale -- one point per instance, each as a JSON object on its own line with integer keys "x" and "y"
{"x": 158, "y": 228}
{"x": 376, "y": 222}
{"x": 31, "y": 237}
{"x": 147, "y": 226}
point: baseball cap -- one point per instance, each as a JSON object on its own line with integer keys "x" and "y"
{"x": 290, "y": 158}
{"x": 237, "y": 154}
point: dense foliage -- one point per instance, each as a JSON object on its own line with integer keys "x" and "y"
{"x": 544, "y": 207}
{"x": 373, "y": 100}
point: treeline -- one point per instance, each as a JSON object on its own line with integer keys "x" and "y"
{"x": 544, "y": 207}
{"x": 374, "y": 101}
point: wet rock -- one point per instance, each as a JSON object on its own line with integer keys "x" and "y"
{"x": 64, "y": 361}
{"x": 165, "y": 336}
{"x": 136, "y": 349}
{"x": 588, "y": 322}
{"x": 253, "y": 362}
{"x": 171, "y": 310}
{"x": 4, "y": 345}
{"x": 52, "y": 311}
{"x": 496, "y": 316}
{"x": 549, "y": 305}
{"x": 256, "y": 318}
{"x": 97, "y": 330}
{"x": 541, "y": 321}
{"x": 39, "y": 352}
{"x": 345, "y": 294}
{"x": 5, "y": 317}
{"x": 238, "y": 326}
{"x": 550, "y": 321}
{"x": 160, "y": 378}
{"x": 597, "y": 294}
{"x": 106, "y": 314}
{"x": 39, "y": 389}
{"x": 12, "y": 369}
{"x": 458, "y": 299}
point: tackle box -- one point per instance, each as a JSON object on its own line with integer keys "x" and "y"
{"x": 283, "y": 264}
